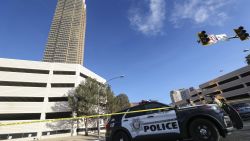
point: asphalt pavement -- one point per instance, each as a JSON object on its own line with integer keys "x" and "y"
{"x": 240, "y": 135}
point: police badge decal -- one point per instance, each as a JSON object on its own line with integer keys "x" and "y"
{"x": 136, "y": 125}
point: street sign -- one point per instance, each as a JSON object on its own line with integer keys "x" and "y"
{"x": 222, "y": 37}
{"x": 215, "y": 38}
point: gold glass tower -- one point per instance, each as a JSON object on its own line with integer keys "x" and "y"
{"x": 67, "y": 33}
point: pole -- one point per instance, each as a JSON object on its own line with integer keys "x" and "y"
{"x": 98, "y": 121}
{"x": 232, "y": 37}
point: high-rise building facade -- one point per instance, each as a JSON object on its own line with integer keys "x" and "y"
{"x": 67, "y": 33}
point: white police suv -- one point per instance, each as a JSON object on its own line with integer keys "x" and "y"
{"x": 199, "y": 123}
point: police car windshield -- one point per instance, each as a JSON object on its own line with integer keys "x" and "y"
{"x": 149, "y": 105}
{"x": 157, "y": 103}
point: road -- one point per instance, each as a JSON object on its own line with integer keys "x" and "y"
{"x": 240, "y": 135}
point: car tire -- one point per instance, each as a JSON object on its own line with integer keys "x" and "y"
{"x": 203, "y": 130}
{"x": 121, "y": 136}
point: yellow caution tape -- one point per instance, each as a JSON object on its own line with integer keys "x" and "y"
{"x": 80, "y": 117}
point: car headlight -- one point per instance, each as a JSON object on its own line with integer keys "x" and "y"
{"x": 227, "y": 121}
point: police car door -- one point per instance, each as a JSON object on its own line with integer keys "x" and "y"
{"x": 132, "y": 121}
{"x": 159, "y": 121}
{"x": 151, "y": 122}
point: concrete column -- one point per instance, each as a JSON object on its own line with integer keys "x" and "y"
{"x": 45, "y": 103}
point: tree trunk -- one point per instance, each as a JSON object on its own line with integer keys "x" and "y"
{"x": 77, "y": 126}
{"x": 72, "y": 127}
{"x": 86, "y": 126}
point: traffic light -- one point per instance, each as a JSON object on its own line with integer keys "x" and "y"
{"x": 203, "y": 38}
{"x": 241, "y": 33}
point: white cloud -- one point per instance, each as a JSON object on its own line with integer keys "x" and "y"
{"x": 148, "y": 22}
{"x": 210, "y": 12}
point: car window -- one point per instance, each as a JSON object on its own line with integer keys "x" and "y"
{"x": 247, "y": 104}
{"x": 240, "y": 105}
{"x": 129, "y": 115}
{"x": 153, "y": 106}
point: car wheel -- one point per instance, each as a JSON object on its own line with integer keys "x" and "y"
{"x": 121, "y": 136}
{"x": 203, "y": 130}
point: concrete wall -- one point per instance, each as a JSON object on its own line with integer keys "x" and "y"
{"x": 234, "y": 86}
{"x": 12, "y": 70}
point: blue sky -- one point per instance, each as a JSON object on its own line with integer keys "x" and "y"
{"x": 152, "y": 42}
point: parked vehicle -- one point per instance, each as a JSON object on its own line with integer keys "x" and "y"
{"x": 243, "y": 109}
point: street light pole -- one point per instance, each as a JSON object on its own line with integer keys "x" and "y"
{"x": 98, "y": 108}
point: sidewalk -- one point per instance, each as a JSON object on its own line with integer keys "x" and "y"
{"x": 91, "y": 137}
